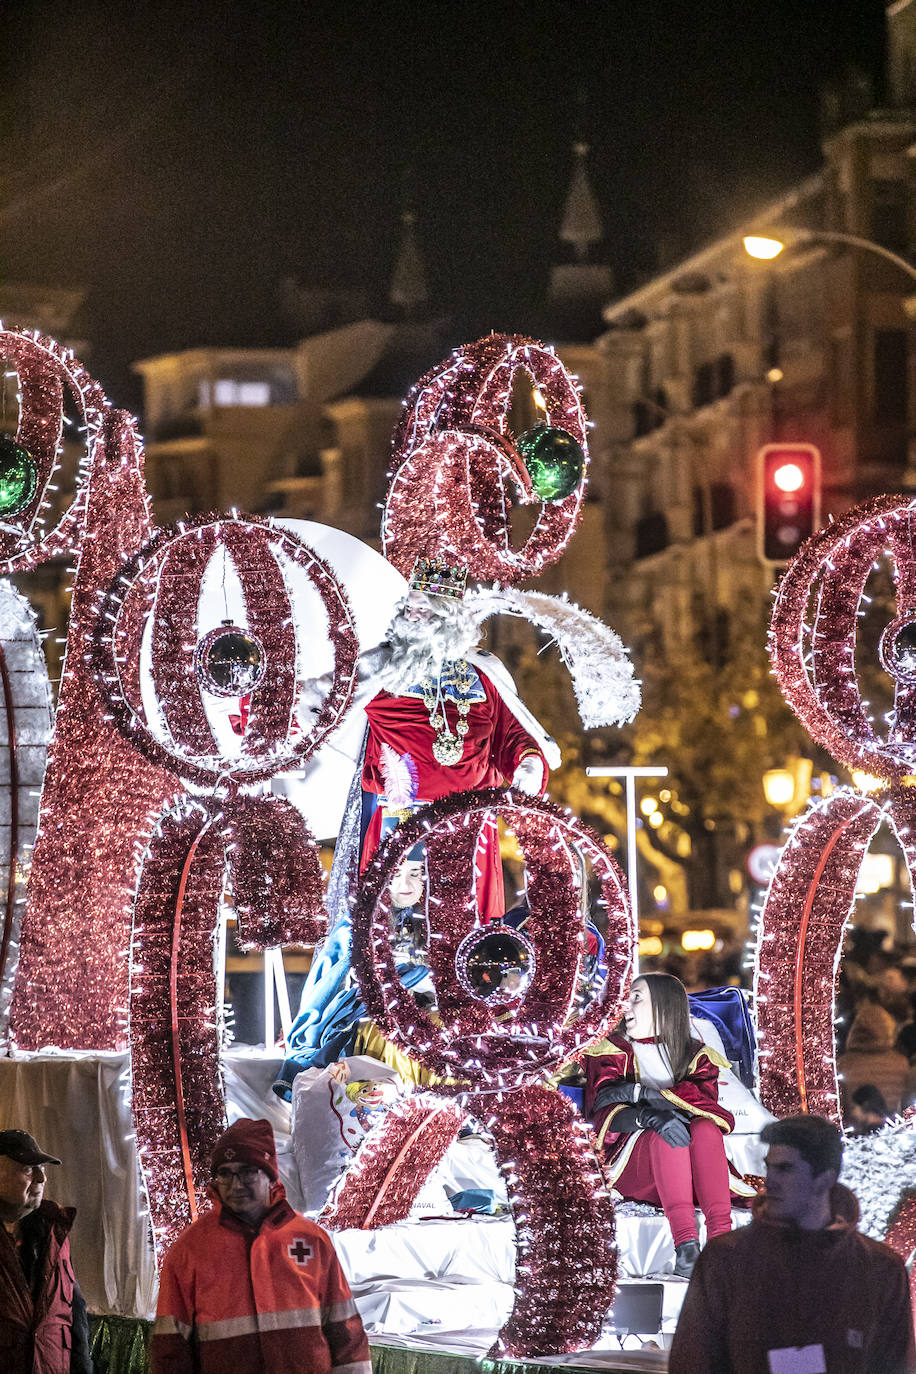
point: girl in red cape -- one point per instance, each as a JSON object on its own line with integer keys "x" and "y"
{"x": 652, "y": 1094}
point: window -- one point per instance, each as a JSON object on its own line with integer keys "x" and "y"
{"x": 890, "y": 376}
{"x": 721, "y": 508}
{"x": 227, "y": 392}
{"x": 725, "y": 374}
{"x": 651, "y": 534}
{"x": 889, "y": 225}
{"x": 704, "y": 384}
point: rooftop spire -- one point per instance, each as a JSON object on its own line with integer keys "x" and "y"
{"x": 408, "y": 283}
{"x": 582, "y": 225}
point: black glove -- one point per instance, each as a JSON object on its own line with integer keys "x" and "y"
{"x": 625, "y": 1119}
{"x": 621, "y": 1091}
{"x": 667, "y": 1123}
{"x": 653, "y": 1098}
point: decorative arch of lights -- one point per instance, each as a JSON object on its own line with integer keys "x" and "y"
{"x": 813, "y": 647}
{"x": 457, "y": 471}
{"x": 491, "y": 1057}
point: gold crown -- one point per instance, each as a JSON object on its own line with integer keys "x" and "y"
{"x": 438, "y": 578}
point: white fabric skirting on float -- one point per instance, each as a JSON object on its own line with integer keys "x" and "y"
{"x": 422, "y": 1277}
{"x": 77, "y": 1106}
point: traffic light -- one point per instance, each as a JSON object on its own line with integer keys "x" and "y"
{"x": 789, "y": 499}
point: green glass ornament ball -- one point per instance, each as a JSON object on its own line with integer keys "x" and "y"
{"x": 554, "y": 460}
{"x": 18, "y": 476}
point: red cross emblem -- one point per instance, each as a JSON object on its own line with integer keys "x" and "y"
{"x": 300, "y": 1250}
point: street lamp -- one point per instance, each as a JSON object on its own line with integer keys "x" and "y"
{"x": 630, "y": 773}
{"x": 766, "y": 248}
{"x": 779, "y": 787}
{"x": 785, "y": 788}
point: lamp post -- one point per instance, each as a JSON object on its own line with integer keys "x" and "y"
{"x": 765, "y": 247}
{"x": 630, "y": 773}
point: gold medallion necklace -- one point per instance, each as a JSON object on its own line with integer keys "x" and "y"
{"x": 448, "y": 748}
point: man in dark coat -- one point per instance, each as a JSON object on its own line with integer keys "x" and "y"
{"x": 43, "y": 1325}
{"x": 799, "y": 1290}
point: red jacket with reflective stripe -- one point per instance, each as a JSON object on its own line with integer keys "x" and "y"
{"x": 235, "y": 1299}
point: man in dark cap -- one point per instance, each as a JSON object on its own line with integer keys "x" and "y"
{"x": 252, "y": 1287}
{"x": 43, "y": 1325}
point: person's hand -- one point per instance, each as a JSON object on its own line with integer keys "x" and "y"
{"x": 621, "y": 1091}
{"x": 667, "y": 1123}
{"x": 653, "y": 1098}
{"x": 529, "y": 775}
{"x": 339, "y": 1072}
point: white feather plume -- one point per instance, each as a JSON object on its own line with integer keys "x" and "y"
{"x": 607, "y": 692}
{"x": 400, "y": 776}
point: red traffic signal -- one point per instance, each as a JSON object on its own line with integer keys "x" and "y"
{"x": 789, "y": 499}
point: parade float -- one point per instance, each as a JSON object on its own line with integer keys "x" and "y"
{"x": 214, "y": 715}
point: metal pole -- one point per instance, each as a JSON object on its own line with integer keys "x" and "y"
{"x": 854, "y": 241}
{"x": 630, "y": 774}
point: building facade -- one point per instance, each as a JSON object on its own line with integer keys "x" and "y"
{"x": 691, "y": 374}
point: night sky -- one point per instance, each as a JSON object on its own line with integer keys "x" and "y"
{"x": 179, "y": 161}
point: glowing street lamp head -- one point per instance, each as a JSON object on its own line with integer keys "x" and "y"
{"x": 779, "y": 786}
{"x": 759, "y": 246}
{"x": 788, "y": 477}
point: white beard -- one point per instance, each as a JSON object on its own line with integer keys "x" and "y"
{"x": 419, "y": 649}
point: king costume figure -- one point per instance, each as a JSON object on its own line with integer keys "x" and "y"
{"x": 442, "y": 717}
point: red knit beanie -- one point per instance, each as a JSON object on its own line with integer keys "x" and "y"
{"x": 247, "y": 1142}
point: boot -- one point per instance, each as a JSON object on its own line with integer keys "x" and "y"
{"x": 685, "y": 1257}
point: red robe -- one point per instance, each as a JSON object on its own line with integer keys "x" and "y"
{"x": 697, "y": 1094}
{"x": 494, "y": 746}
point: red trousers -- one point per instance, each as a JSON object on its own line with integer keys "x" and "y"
{"x": 678, "y": 1178}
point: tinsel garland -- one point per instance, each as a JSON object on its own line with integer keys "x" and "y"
{"x": 259, "y": 849}
{"x": 880, "y": 1168}
{"x": 452, "y": 908}
{"x": 48, "y": 373}
{"x": 173, "y": 614}
{"x": 270, "y": 713}
{"x": 799, "y": 944}
{"x": 274, "y": 740}
{"x": 602, "y": 675}
{"x": 26, "y": 733}
{"x": 98, "y": 801}
{"x": 455, "y": 471}
{"x": 493, "y": 1058}
{"x": 472, "y": 1041}
{"x": 393, "y": 1162}
{"x": 174, "y": 1021}
{"x": 274, "y": 871}
{"x": 811, "y": 892}
{"x": 814, "y": 655}
{"x": 566, "y": 1259}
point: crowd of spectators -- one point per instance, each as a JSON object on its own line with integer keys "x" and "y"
{"x": 875, "y": 1017}
{"x": 726, "y": 965}
{"x": 875, "y": 1029}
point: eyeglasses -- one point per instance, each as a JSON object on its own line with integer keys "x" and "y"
{"x": 247, "y": 1173}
